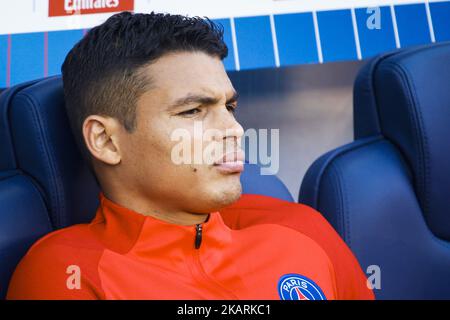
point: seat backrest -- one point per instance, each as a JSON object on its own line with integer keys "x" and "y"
{"x": 44, "y": 183}
{"x": 42, "y": 146}
{"x": 387, "y": 192}
{"x": 23, "y": 219}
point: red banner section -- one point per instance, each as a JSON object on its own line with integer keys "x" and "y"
{"x": 57, "y": 8}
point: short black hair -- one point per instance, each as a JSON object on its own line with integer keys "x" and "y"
{"x": 102, "y": 73}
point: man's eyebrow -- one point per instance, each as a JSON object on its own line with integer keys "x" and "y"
{"x": 201, "y": 99}
{"x": 234, "y": 97}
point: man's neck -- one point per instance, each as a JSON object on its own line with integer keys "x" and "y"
{"x": 180, "y": 218}
{"x": 148, "y": 208}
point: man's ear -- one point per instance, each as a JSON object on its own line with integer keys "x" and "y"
{"x": 101, "y": 137}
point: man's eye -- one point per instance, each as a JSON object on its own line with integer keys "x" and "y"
{"x": 231, "y": 108}
{"x": 190, "y": 112}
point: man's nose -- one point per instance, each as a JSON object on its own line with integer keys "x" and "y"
{"x": 229, "y": 126}
{"x": 236, "y": 131}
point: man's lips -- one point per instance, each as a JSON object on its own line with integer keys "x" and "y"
{"x": 232, "y": 162}
{"x": 231, "y": 157}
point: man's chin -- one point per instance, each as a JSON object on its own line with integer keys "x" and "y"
{"x": 222, "y": 197}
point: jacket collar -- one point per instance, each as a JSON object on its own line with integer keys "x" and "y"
{"x": 124, "y": 230}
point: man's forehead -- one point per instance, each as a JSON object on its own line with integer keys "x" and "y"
{"x": 177, "y": 75}
{"x": 212, "y": 92}
{"x": 190, "y": 72}
{"x": 180, "y": 67}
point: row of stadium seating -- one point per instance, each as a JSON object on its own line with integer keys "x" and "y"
{"x": 386, "y": 193}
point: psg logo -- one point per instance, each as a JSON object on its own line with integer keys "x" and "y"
{"x": 294, "y": 286}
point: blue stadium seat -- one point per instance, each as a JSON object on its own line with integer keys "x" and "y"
{"x": 388, "y": 192}
{"x": 44, "y": 183}
{"x": 268, "y": 185}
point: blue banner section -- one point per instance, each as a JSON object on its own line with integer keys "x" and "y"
{"x": 229, "y": 61}
{"x": 440, "y": 13}
{"x": 27, "y": 57}
{"x": 59, "y": 44}
{"x": 261, "y": 42}
{"x": 296, "y": 38}
{"x": 412, "y": 25}
{"x": 375, "y": 38}
{"x": 3, "y": 59}
{"x": 255, "y": 45}
{"x": 336, "y": 35}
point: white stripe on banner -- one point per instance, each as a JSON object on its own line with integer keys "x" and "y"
{"x": 317, "y": 33}
{"x": 430, "y": 21}
{"x": 394, "y": 24}
{"x": 274, "y": 40}
{"x": 356, "y": 33}
{"x": 235, "y": 45}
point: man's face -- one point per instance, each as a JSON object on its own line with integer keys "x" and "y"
{"x": 191, "y": 94}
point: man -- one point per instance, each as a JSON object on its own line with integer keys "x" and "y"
{"x": 165, "y": 230}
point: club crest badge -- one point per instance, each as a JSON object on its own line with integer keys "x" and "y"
{"x": 294, "y": 286}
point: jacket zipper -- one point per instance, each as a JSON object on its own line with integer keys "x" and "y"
{"x": 198, "y": 235}
{"x": 212, "y": 283}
